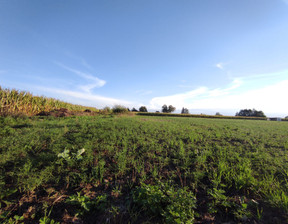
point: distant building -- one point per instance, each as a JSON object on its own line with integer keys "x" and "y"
{"x": 274, "y": 119}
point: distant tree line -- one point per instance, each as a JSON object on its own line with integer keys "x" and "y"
{"x": 141, "y": 109}
{"x": 170, "y": 109}
{"x": 165, "y": 109}
{"x": 250, "y": 113}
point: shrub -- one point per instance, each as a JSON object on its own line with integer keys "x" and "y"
{"x": 106, "y": 110}
{"x": 119, "y": 109}
{"x": 85, "y": 205}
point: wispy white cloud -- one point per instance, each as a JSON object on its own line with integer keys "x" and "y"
{"x": 268, "y": 98}
{"x": 84, "y": 95}
{"x": 78, "y": 59}
{"x": 94, "y": 81}
{"x": 274, "y": 75}
{"x": 185, "y": 86}
{"x": 225, "y": 91}
{"x": 189, "y": 97}
{"x": 177, "y": 99}
{"x": 86, "y": 98}
{"x": 85, "y": 64}
{"x": 220, "y": 65}
{"x": 285, "y": 1}
{"x": 239, "y": 94}
{"x": 144, "y": 92}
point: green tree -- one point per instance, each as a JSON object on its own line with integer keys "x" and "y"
{"x": 184, "y": 111}
{"x": 143, "y": 109}
{"x": 250, "y": 113}
{"x": 171, "y": 109}
{"x": 164, "y": 108}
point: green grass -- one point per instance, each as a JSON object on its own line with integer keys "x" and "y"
{"x": 142, "y": 169}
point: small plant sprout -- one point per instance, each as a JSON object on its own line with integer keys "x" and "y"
{"x": 66, "y": 155}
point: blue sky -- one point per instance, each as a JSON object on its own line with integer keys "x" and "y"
{"x": 208, "y": 56}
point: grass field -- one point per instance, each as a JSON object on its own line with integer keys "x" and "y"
{"x": 141, "y": 169}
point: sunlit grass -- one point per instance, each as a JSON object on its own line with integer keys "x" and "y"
{"x": 148, "y": 169}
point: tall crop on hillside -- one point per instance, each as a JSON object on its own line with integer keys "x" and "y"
{"x": 22, "y": 102}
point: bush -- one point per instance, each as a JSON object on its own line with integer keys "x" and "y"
{"x": 107, "y": 110}
{"x": 119, "y": 109}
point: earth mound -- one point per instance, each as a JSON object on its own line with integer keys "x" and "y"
{"x": 62, "y": 112}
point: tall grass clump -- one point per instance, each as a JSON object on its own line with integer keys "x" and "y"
{"x": 106, "y": 110}
{"x": 21, "y": 102}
